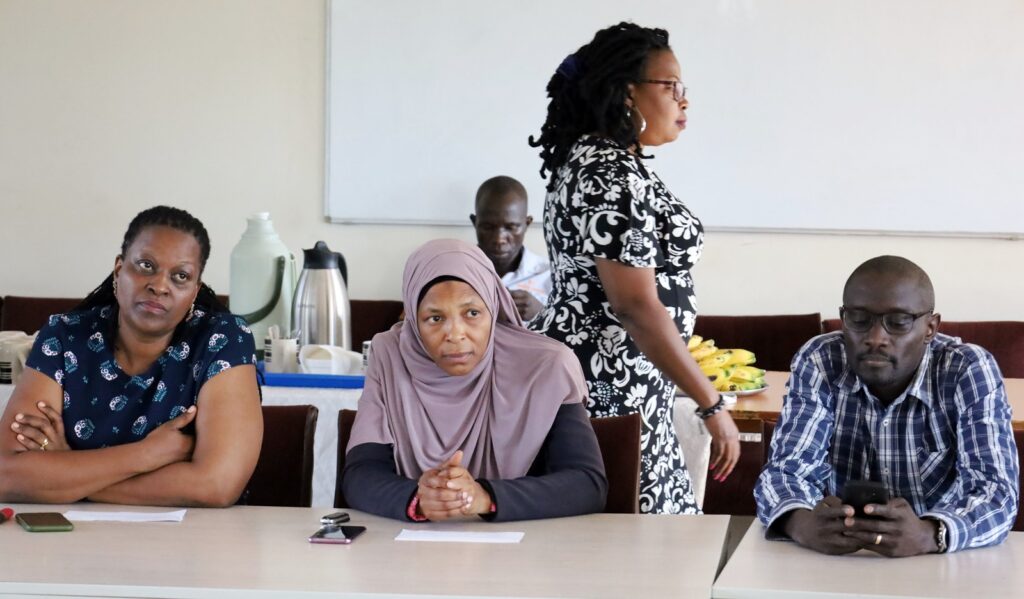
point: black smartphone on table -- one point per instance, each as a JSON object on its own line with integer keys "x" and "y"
{"x": 44, "y": 522}
{"x": 858, "y": 493}
{"x": 337, "y": 535}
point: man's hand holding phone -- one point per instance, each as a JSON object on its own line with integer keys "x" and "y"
{"x": 823, "y": 529}
{"x": 893, "y": 529}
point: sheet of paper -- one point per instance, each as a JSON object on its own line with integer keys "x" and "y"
{"x": 83, "y": 516}
{"x": 459, "y": 536}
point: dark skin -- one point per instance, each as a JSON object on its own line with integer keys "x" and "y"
{"x": 500, "y": 223}
{"x": 887, "y": 364}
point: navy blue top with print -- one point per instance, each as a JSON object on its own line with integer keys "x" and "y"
{"x": 104, "y": 406}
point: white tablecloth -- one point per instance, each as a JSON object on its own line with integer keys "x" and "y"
{"x": 695, "y": 440}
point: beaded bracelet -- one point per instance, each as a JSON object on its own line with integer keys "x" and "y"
{"x": 709, "y": 412}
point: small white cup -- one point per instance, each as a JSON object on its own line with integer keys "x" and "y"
{"x": 329, "y": 359}
{"x": 282, "y": 357}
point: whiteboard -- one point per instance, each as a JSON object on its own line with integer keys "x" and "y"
{"x": 872, "y": 115}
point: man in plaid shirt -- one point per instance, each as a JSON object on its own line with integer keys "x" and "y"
{"x": 891, "y": 400}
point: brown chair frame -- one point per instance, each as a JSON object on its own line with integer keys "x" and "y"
{"x": 346, "y": 418}
{"x": 619, "y": 439}
{"x": 284, "y": 471}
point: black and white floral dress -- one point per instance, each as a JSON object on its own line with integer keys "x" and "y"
{"x": 607, "y": 204}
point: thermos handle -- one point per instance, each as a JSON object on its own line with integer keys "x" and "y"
{"x": 265, "y": 311}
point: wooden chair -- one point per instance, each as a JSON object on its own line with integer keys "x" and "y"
{"x": 29, "y": 314}
{"x": 774, "y": 339}
{"x": 284, "y": 472}
{"x": 619, "y": 439}
{"x": 346, "y": 418}
{"x": 1004, "y": 339}
{"x": 370, "y": 317}
{"x": 735, "y": 495}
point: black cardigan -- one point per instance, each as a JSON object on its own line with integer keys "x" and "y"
{"x": 567, "y": 477}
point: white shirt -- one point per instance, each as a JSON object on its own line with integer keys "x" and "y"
{"x": 533, "y": 275}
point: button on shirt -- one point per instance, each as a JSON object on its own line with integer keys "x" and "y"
{"x": 945, "y": 445}
{"x": 533, "y": 275}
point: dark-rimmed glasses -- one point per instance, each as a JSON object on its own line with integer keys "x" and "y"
{"x": 895, "y": 323}
{"x": 678, "y": 89}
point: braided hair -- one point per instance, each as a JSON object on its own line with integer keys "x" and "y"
{"x": 160, "y": 216}
{"x": 589, "y": 90}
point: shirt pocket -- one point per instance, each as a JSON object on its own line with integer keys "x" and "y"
{"x": 935, "y": 458}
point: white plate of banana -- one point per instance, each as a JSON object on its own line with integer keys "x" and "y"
{"x": 730, "y": 370}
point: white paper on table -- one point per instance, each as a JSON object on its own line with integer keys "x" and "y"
{"x": 457, "y": 536}
{"x": 83, "y": 516}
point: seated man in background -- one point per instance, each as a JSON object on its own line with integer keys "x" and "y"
{"x": 888, "y": 399}
{"x": 501, "y": 221}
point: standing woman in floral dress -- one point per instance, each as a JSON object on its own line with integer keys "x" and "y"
{"x": 621, "y": 248}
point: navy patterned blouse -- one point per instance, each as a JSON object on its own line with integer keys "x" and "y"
{"x": 104, "y": 406}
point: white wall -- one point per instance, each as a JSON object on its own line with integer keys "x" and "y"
{"x": 111, "y": 106}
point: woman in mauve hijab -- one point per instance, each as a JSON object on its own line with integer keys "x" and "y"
{"x": 465, "y": 412}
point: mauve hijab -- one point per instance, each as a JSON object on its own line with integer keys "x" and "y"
{"x": 499, "y": 413}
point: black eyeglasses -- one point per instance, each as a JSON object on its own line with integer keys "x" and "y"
{"x": 895, "y": 323}
{"x": 678, "y": 89}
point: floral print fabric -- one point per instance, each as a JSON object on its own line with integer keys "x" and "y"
{"x": 103, "y": 405}
{"x": 607, "y": 204}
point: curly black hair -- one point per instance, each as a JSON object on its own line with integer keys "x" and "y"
{"x": 589, "y": 90}
{"x": 160, "y": 216}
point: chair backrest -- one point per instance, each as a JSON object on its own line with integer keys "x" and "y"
{"x": 345, "y": 420}
{"x": 284, "y": 472}
{"x": 29, "y": 314}
{"x": 619, "y": 439}
{"x": 774, "y": 339}
{"x": 1004, "y": 339}
{"x": 735, "y": 495}
{"x": 370, "y": 317}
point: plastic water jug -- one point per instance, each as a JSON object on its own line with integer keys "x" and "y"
{"x": 263, "y": 277}
{"x": 320, "y": 310}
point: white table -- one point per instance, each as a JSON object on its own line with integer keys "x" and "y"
{"x": 761, "y": 569}
{"x": 262, "y": 551}
{"x": 694, "y": 438}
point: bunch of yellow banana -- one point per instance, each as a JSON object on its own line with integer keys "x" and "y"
{"x": 728, "y": 369}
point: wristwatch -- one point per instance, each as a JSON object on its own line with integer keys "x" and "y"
{"x": 940, "y": 536}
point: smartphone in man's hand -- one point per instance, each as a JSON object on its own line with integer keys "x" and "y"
{"x": 858, "y": 493}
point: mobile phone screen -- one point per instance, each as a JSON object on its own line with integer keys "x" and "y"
{"x": 337, "y": 534}
{"x": 858, "y": 493}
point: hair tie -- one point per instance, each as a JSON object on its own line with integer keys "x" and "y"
{"x": 569, "y": 68}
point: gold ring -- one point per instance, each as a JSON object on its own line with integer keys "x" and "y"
{"x": 878, "y": 539}
{"x": 43, "y": 445}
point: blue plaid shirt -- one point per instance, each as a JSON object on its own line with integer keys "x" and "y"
{"x": 945, "y": 445}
